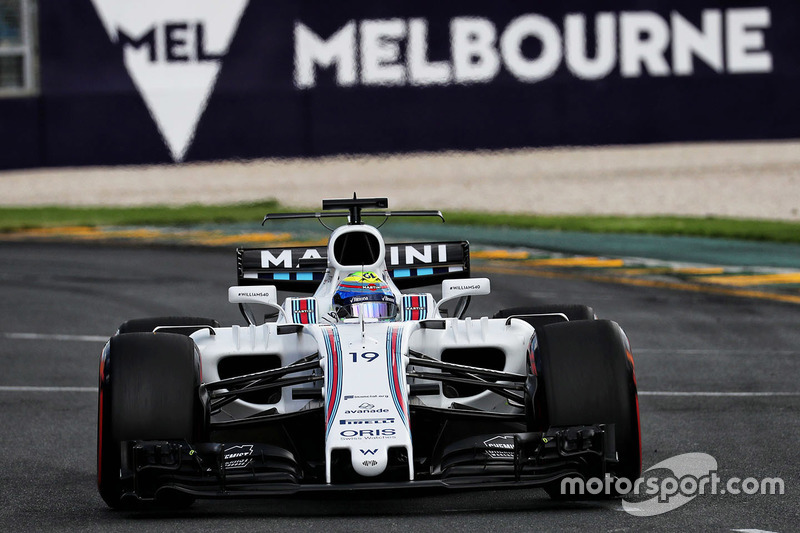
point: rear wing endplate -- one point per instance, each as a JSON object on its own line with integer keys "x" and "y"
{"x": 301, "y": 269}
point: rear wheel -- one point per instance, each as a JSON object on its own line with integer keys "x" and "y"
{"x": 148, "y": 391}
{"x": 586, "y": 373}
{"x": 183, "y": 323}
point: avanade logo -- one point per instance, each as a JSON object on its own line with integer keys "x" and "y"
{"x": 173, "y": 52}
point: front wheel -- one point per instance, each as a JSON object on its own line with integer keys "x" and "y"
{"x": 586, "y": 372}
{"x": 149, "y": 390}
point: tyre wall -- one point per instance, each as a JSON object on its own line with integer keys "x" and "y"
{"x": 161, "y": 81}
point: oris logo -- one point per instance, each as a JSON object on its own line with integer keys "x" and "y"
{"x": 367, "y": 433}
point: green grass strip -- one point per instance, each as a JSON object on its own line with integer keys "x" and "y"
{"x": 730, "y": 228}
{"x": 17, "y": 218}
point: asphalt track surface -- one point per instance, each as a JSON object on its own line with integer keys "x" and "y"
{"x": 717, "y": 374}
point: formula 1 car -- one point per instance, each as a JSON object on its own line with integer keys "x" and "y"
{"x": 357, "y": 385}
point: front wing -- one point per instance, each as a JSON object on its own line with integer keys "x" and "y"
{"x": 224, "y": 470}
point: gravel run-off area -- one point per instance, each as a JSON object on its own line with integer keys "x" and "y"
{"x": 745, "y": 179}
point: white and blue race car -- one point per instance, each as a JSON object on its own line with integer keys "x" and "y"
{"x": 357, "y": 385}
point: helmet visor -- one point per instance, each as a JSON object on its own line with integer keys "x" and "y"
{"x": 379, "y": 310}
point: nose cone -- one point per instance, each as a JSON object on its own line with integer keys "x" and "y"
{"x": 369, "y": 462}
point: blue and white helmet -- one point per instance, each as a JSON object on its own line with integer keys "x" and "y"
{"x": 364, "y": 294}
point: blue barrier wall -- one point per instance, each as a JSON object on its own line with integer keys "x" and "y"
{"x": 189, "y": 80}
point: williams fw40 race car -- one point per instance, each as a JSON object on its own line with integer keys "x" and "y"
{"x": 357, "y": 385}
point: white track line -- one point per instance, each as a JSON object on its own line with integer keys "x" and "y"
{"x": 642, "y": 351}
{"x": 641, "y": 393}
{"x": 53, "y": 337}
{"x": 678, "y": 351}
{"x": 720, "y": 394}
{"x": 98, "y": 338}
{"x": 47, "y": 389}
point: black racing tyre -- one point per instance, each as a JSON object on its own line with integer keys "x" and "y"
{"x": 586, "y": 372}
{"x": 149, "y": 390}
{"x": 539, "y": 316}
{"x": 147, "y": 325}
{"x": 573, "y": 312}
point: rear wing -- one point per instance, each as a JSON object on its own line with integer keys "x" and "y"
{"x": 301, "y": 269}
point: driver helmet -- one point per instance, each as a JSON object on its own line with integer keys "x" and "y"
{"x": 364, "y": 294}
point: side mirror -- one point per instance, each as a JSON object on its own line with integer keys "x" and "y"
{"x": 462, "y": 289}
{"x": 255, "y": 294}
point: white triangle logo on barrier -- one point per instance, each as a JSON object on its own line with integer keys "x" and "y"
{"x": 173, "y": 52}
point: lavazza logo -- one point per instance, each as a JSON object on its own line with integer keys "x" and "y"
{"x": 173, "y": 50}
